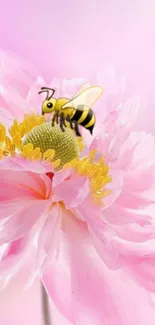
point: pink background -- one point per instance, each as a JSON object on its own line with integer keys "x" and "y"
{"x": 78, "y": 38}
{"x": 71, "y": 38}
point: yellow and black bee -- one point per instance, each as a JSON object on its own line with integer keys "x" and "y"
{"x": 77, "y": 111}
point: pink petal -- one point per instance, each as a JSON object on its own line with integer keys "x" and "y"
{"x": 9, "y": 207}
{"x": 135, "y": 233}
{"x": 57, "y": 280}
{"x": 89, "y": 211}
{"x": 50, "y": 236}
{"x": 13, "y": 256}
{"x": 72, "y": 192}
{"x": 116, "y": 187}
{"x": 131, "y": 200}
{"x": 119, "y": 215}
{"x": 20, "y": 184}
{"x": 134, "y": 251}
{"x": 98, "y": 294}
{"x": 22, "y": 221}
{"x": 105, "y": 248}
{"x": 107, "y": 238}
{"x": 25, "y": 181}
{"x": 134, "y": 180}
{"x": 21, "y": 164}
{"x": 60, "y": 176}
{"x": 122, "y": 245}
{"x": 101, "y": 233}
{"x": 136, "y": 150}
{"x": 144, "y": 272}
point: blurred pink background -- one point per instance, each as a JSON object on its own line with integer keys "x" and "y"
{"x": 78, "y": 38}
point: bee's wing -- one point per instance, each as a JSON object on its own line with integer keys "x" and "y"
{"x": 88, "y": 98}
{"x": 82, "y": 88}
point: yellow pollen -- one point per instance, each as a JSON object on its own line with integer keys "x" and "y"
{"x": 97, "y": 172}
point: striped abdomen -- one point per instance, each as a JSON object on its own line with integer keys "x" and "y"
{"x": 84, "y": 116}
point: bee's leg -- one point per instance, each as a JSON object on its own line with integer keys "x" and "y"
{"x": 62, "y": 121}
{"x": 55, "y": 117}
{"x": 70, "y": 122}
{"x": 76, "y": 128}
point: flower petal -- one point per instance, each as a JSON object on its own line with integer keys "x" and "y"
{"x": 21, "y": 164}
{"x": 60, "y": 176}
{"x": 144, "y": 272}
{"x": 118, "y": 215}
{"x": 116, "y": 187}
{"x": 50, "y": 236}
{"x": 22, "y": 221}
{"x": 105, "y": 248}
{"x": 72, "y": 192}
{"x": 57, "y": 280}
{"x": 13, "y": 256}
{"x": 99, "y": 294}
{"x": 18, "y": 183}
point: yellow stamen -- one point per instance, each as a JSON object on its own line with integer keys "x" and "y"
{"x": 2, "y": 133}
{"x": 28, "y": 123}
{"x": 7, "y": 147}
{"x": 27, "y": 150}
{"x": 17, "y": 140}
{"x": 36, "y": 154}
{"x": 97, "y": 172}
{"x": 49, "y": 154}
{"x": 80, "y": 143}
{"x": 92, "y": 154}
{"x": 8, "y": 143}
{"x": 1, "y": 153}
{"x": 56, "y": 163}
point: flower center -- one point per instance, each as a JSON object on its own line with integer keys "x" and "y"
{"x": 47, "y": 137}
{"x": 36, "y": 139}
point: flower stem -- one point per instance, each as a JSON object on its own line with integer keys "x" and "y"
{"x": 45, "y": 307}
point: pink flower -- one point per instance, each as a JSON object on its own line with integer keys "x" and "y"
{"x": 88, "y": 204}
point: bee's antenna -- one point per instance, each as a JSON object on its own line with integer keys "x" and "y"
{"x": 46, "y": 89}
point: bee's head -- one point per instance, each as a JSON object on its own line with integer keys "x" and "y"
{"x": 48, "y": 104}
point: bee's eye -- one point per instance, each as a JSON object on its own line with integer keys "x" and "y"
{"x": 49, "y": 105}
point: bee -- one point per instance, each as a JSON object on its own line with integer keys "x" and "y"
{"x": 77, "y": 111}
